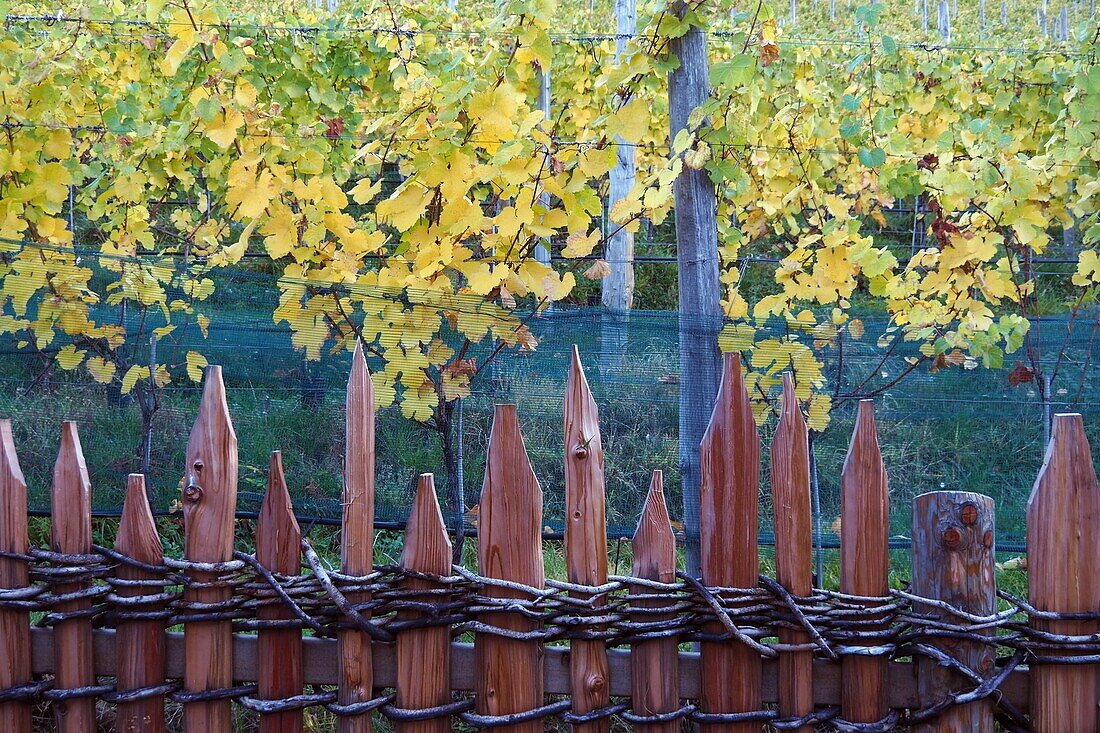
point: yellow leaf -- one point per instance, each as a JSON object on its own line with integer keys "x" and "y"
{"x": 405, "y": 208}
{"x": 70, "y": 357}
{"x": 223, "y": 128}
{"x": 204, "y": 325}
{"x": 581, "y": 245}
{"x": 855, "y": 328}
{"x": 183, "y": 44}
{"x": 1088, "y": 269}
{"x": 632, "y": 121}
{"x": 101, "y": 370}
{"x": 133, "y": 374}
{"x": 196, "y": 363}
{"x": 599, "y": 270}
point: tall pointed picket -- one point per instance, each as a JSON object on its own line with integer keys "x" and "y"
{"x": 279, "y": 549}
{"x": 585, "y": 537}
{"x": 140, "y": 643}
{"x": 509, "y": 671}
{"x": 424, "y": 655}
{"x": 71, "y": 533}
{"x": 790, "y": 459}
{"x": 864, "y": 560}
{"x": 729, "y": 493}
{"x": 15, "y": 631}
{"x": 209, "y": 504}
{"x": 654, "y": 664}
{"x": 1063, "y": 542}
{"x": 357, "y": 540}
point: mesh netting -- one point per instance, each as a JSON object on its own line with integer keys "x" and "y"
{"x": 956, "y": 428}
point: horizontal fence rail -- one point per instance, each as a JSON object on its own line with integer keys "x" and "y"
{"x": 281, "y": 631}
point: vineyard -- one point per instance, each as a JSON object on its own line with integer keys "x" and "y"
{"x": 432, "y": 180}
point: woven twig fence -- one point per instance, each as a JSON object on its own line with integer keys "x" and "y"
{"x": 280, "y": 631}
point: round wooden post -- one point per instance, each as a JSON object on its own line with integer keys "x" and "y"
{"x": 953, "y": 562}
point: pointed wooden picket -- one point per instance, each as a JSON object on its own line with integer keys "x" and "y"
{"x": 424, "y": 655}
{"x": 209, "y": 504}
{"x": 357, "y": 541}
{"x": 864, "y": 560}
{"x": 729, "y": 463}
{"x": 140, "y": 644}
{"x": 654, "y": 664}
{"x": 279, "y": 549}
{"x": 585, "y": 536}
{"x": 790, "y": 463}
{"x": 1063, "y": 544}
{"x": 71, "y": 533}
{"x": 509, "y": 671}
{"x": 15, "y": 632}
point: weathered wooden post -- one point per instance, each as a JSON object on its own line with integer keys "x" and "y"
{"x": 209, "y": 505}
{"x": 15, "y": 630}
{"x": 140, "y": 644}
{"x": 864, "y": 560}
{"x": 654, "y": 664}
{"x": 585, "y": 537}
{"x": 953, "y": 562}
{"x": 1063, "y": 554}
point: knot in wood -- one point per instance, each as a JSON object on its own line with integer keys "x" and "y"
{"x": 952, "y": 538}
{"x": 581, "y": 451}
{"x": 968, "y": 513}
{"x": 192, "y": 492}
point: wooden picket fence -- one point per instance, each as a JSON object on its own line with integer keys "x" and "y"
{"x": 101, "y": 616}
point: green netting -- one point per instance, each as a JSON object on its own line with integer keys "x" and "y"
{"x": 956, "y": 428}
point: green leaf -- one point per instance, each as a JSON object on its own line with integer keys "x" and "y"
{"x": 735, "y": 72}
{"x": 872, "y": 158}
{"x": 850, "y": 129}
